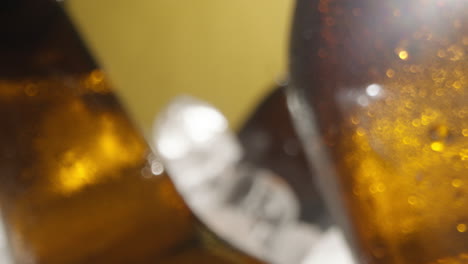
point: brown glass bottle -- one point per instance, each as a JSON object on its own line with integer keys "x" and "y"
{"x": 76, "y": 183}
{"x": 270, "y": 141}
{"x": 380, "y": 97}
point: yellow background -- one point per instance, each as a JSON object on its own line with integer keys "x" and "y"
{"x": 228, "y": 52}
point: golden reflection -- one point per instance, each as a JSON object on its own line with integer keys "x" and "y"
{"x": 78, "y": 155}
{"x": 109, "y": 148}
{"x": 411, "y": 146}
{"x": 80, "y": 173}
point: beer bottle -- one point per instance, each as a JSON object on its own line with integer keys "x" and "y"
{"x": 270, "y": 141}
{"x": 77, "y": 185}
{"x": 379, "y": 95}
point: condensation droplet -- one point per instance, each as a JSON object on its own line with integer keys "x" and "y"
{"x": 465, "y": 132}
{"x": 463, "y": 154}
{"x": 461, "y": 228}
{"x": 381, "y": 187}
{"x": 361, "y": 131}
{"x": 31, "y": 90}
{"x": 355, "y": 120}
{"x": 457, "y": 183}
{"x": 373, "y": 189}
{"x": 457, "y": 85}
{"x": 412, "y": 200}
{"x": 406, "y": 140}
{"x": 416, "y": 123}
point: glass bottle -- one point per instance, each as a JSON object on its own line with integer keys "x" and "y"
{"x": 379, "y": 95}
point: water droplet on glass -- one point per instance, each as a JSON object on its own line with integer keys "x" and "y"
{"x": 390, "y": 73}
{"x": 457, "y": 183}
{"x": 31, "y": 90}
{"x": 461, "y": 228}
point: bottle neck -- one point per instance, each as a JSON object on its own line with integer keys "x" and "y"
{"x": 39, "y": 40}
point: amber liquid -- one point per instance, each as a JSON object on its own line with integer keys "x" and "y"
{"x": 405, "y": 159}
{"x": 77, "y": 185}
{"x": 389, "y": 87}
